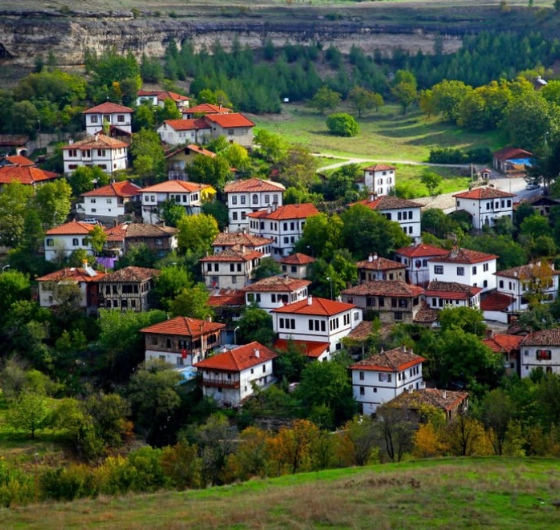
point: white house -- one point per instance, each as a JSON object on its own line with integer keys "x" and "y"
{"x": 225, "y": 240}
{"x": 402, "y": 211}
{"x": 316, "y": 320}
{"x": 451, "y": 294}
{"x": 384, "y": 376}
{"x": 466, "y": 266}
{"x": 276, "y": 291}
{"x": 485, "y": 205}
{"x": 158, "y": 97}
{"x": 118, "y": 116}
{"x": 284, "y": 225}
{"x": 540, "y": 349}
{"x": 108, "y": 202}
{"x": 232, "y": 268}
{"x": 175, "y": 132}
{"x": 234, "y": 127}
{"x": 102, "y": 151}
{"x": 296, "y": 265}
{"x": 417, "y": 260}
{"x": 229, "y": 377}
{"x": 203, "y": 109}
{"x": 190, "y": 195}
{"x": 379, "y": 179}
{"x": 251, "y": 195}
{"x": 378, "y": 268}
{"x": 62, "y": 240}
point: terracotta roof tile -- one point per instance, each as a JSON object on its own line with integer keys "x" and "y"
{"x": 511, "y": 152}
{"x": 380, "y": 167}
{"x": 315, "y": 306}
{"x": 483, "y": 193}
{"x": 19, "y": 160}
{"x": 184, "y": 326}
{"x": 191, "y": 147}
{"x": 362, "y": 331}
{"x": 297, "y": 259}
{"x": 98, "y": 141}
{"x": 149, "y": 230}
{"x": 233, "y": 254}
{"x": 231, "y": 120}
{"x": 115, "y": 189}
{"x": 545, "y": 337}
{"x": 187, "y": 125}
{"x": 108, "y": 108}
{"x": 239, "y": 359}
{"x": 447, "y": 400}
{"x": 131, "y": 274}
{"x": 426, "y": 314}
{"x": 526, "y": 272}
{"x": 503, "y": 343}
{"x": 277, "y": 284}
{"x": 176, "y": 186}
{"x": 208, "y": 108}
{"x": 395, "y": 360}
{"x": 25, "y": 174}
{"x": 70, "y": 229}
{"x": 76, "y": 274}
{"x": 162, "y": 95}
{"x": 388, "y": 202}
{"x": 309, "y": 348}
{"x": 396, "y": 288}
{"x": 253, "y": 185}
{"x": 421, "y": 251}
{"x": 289, "y": 211}
{"x": 378, "y": 263}
{"x": 452, "y": 290}
{"x": 464, "y": 255}
{"x": 231, "y": 239}
{"x": 496, "y": 302}
{"x": 227, "y": 297}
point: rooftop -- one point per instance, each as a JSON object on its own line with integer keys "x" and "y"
{"x": 297, "y": 259}
{"x": 253, "y": 185}
{"x": 230, "y": 120}
{"x": 289, "y": 211}
{"x": 315, "y": 306}
{"x": 545, "y": 337}
{"x": 75, "y": 274}
{"x": 230, "y": 239}
{"x": 98, "y": 141}
{"x": 108, "y": 108}
{"x": 395, "y": 288}
{"x": 131, "y": 274}
{"x": 452, "y": 290}
{"x": 395, "y": 360}
{"x": 447, "y": 400}
{"x": 227, "y": 297}
{"x": 309, "y": 348}
{"x": 511, "y": 152}
{"x": 483, "y": 193}
{"x": 464, "y": 255}
{"x": 503, "y": 342}
{"x": 233, "y": 254}
{"x": 377, "y": 263}
{"x": 115, "y": 189}
{"x": 380, "y": 167}
{"x": 421, "y": 251}
{"x": 529, "y": 271}
{"x": 239, "y": 359}
{"x": 426, "y": 314}
{"x": 177, "y": 186}
{"x": 70, "y": 229}
{"x": 208, "y": 108}
{"x": 388, "y": 202}
{"x": 162, "y": 95}
{"x": 277, "y": 284}
{"x": 496, "y": 302}
{"x": 25, "y": 174}
{"x": 184, "y": 326}
{"x": 187, "y": 125}
{"x": 19, "y": 160}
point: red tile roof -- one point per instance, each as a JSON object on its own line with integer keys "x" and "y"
{"x": 496, "y": 302}
{"x": 545, "y": 337}
{"x": 253, "y": 185}
{"x": 131, "y": 274}
{"x": 184, "y": 326}
{"x": 108, "y": 108}
{"x": 395, "y": 360}
{"x": 197, "y": 149}
{"x": 73, "y": 228}
{"x": 277, "y": 284}
{"x": 139, "y": 230}
{"x": 362, "y": 331}
{"x": 421, "y": 251}
{"x": 176, "y": 186}
{"x": 98, "y": 141}
{"x": 531, "y": 270}
{"x": 289, "y": 211}
{"x": 395, "y": 288}
{"x": 19, "y": 160}
{"x": 388, "y": 202}
{"x": 115, "y": 189}
{"x": 309, "y": 348}
{"x": 380, "y": 167}
{"x": 297, "y": 259}
{"x": 231, "y": 239}
{"x": 451, "y": 290}
{"x": 76, "y": 274}
{"x": 315, "y": 306}
{"x": 377, "y": 263}
{"x": 239, "y": 359}
{"x": 503, "y": 343}
{"x": 426, "y": 314}
{"x": 483, "y": 193}
{"x": 231, "y": 120}
{"x": 447, "y": 400}
{"x": 24, "y": 174}
{"x": 207, "y": 108}
{"x": 464, "y": 255}
{"x": 511, "y": 152}
{"x": 227, "y": 297}
{"x": 187, "y": 125}
{"x": 162, "y": 95}
{"x": 233, "y": 254}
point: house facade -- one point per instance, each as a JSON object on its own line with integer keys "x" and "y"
{"x": 417, "y": 260}
{"x": 276, "y": 291}
{"x": 115, "y": 115}
{"x": 284, "y": 225}
{"x": 158, "y": 97}
{"x": 230, "y": 269}
{"x": 229, "y": 377}
{"x": 159, "y": 239}
{"x": 384, "y": 376}
{"x": 182, "y": 341}
{"x": 176, "y": 132}
{"x": 379, "y": 179}
{"x": 203, "y": 109}
{"x": 377, "y": 268}
{"x": 64, "y": 239}
{"x": 452, "y": 294}
{"x": 508, "y": 346}
{"x": 227, "y": 240}
{"x": 108, "y": 202}
{"x": 127, "y": 289}
{"x": 180, "y": 158}
{"x": 485, "y": 205}
{"x": 540, "y": 349}
{"x": 101, "y": 151}
{"x": 234, "y": 127}
{"x": 296, "y": 265}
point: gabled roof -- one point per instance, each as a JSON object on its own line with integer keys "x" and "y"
{"x": 388, "y": 202}
{"x": 289, "y": 211}
{"x": 162, "y": 95}
{"x": 479, "y": 194}
{"x": 315, "y": 306}
{"x": 362, "y": 331}
{"x": 309, "y": 348}
{"x": 503, "y": 343}
{"x": 545, "y": 337}
{"x": 464, "y": 255}
{"x": 253, "y": 185}
{"x": 380, "y": 167}
{"x": 177, "y": 186}
{"x": 233, "y": 255}
{"x": 421, "y": 251}
{"x": 496, "y": 302}
{"x": 511, "y": 152}
{"x": 451, "y": 290}
{"x": 230, "y": 120}
{"x": 19, "y": 160}
{"x": 184, "y": 326}
{"x": 297, "y": 259}
{"x": 98, "y": 141}
{"x": 426, "y": 314}
{"x": 73, "y": 228}
{"x": 25, "y": 175}
{"x": 447, "y": 400}
{"x": 207, "y": 108}
{"x": 396, "y": 288}
{"x": 227, "y": 298}
{"x": 139, "y": 230}
{"x": 395, "y": 360}
{"x": 277, "y": 284}
{"x": 115, "y": 189}
{"x": 231, "y": 239}
{"x": 377, "y": 263}
{"x": 131, "y": 274}
{"x": 108, "y": 108}
{"x": 526, "y": 272}
{"x": 187, "y": 125}
{"x": 242, "y": 358}
{"x": 74, "y": 274}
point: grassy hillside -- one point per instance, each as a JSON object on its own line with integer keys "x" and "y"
{"x": 452, "y": 493}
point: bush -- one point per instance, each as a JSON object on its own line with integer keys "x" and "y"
{"x": 342, "y": 124}
{"x": 67, "y": 484}
{"x": 450, "y": 155}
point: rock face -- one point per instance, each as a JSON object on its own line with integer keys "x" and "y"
{"x": 23, "y": 36}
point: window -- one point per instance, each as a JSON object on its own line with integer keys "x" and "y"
{"x": 50, "y": 242}
{"x": 243, "y": 199}
{"x": 267, "y": 199}
{"x": 234, "y": 200}
{"x": 485, "y": 267}
{"x": 361, "y": 376}
{"x": 255, "y": 198}
{"x": 362, "y": 391}
{"x": 398, "y": 317}
{"x": 234, "y": 216}
{"x": 385, "y": 378}
{"x": 75, "y": 242}
{"x": 94, "y": 119}
{"x": 230, "y": 132}
{"x": 544, "y": 355}
{"x": 438, "y": 269}
{"x": 72, "y": 153}
{"x": 101, "y": 152}
{"x": 501, "y": 284}
{"x": 474, "y": 271}
{"x": 460, "y": 271}
{"x": 120, "y": 118}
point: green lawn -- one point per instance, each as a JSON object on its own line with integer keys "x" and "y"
{"x": 512, "y": 493}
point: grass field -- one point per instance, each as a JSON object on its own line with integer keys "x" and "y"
{"x": 450, "y": 493}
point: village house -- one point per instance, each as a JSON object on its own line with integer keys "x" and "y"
{"x": 384, "y": 376}
{"x": 176, "y": 132}
{"x": 102, "y": 151}
{"x": 251, "y": 195}
{"x": 234, "y": 127}
{"x": 402, "y": 211}
{"x": 511, "y": 160}
{"x": 416, "y": 402}
{"x": 542, "y": 204}
{"x": 228, "y": 305}
{"x": 190, "y": 195}
{"x": 159, "y": 239}
{"x": 508, "y": 346}
{"x": 180, "y": 158}
{"x": 276, "y": 291}
{"x": 108, "y": 203}
{"x": 226, "y": 240}
{"x": 314, "y": 351}
{"x": 379, "y": 179}
{"x": 417, "y": 260}
{"x": 394, "y": 301}
{"x": 230, "y": 269}
{"x": 157, "y": 98}
{"x": 452, "y": 294}
{"x": 316, "y": 320}
{"x": 64, "y": 239}
{"x": 16, "y": 160}
{"x": 466, "y": 266}
{"x": 296, "y": 265}
{"x": 540, "y": 349}
{"x": 497, "y": 307}
{"x": 117, "y": 116}
{"x": 182, "y": 341}
{"x": 378, "y": 268}
{"x": 203, "y": 109}
{"x": 229, "y": 377}
{"x": 485, "y": 205}
{"x": 27, "y": 175}
{"x": 284, "y": 225}
{"x": 127, "y": 289}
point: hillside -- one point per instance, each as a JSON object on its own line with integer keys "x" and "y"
{"x": 453, "y": 493}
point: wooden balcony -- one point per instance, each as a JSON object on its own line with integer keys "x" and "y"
{"x": 221, "y": 382}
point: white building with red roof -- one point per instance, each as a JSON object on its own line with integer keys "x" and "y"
{"x": 230, "y": 269}
{"x": 248, "y": 196}
{"x": 276, "y": 291}
{"x": 64, "y": 239}
{"x": 228, "y": 377}
{"x": 234, "y": 127}
{"x": 540, "y": 349}
{"x": 508, "y": 346}
{"x": 316, "y": 320}
{"x": 157, "y": 98}
{"x": 296, "y": 265}
{"x": 108, "y": 202}
{"x": 182, "y": 341}
{"x": 30, "y": 176}
{"x": 466, "y": 266}
{"x": 226, "y": 240}
{"x": 99, "y": 150}
{"x": 417, "y": 260}
{"x": 485, "y": 205}
{"x": 384, "y": 376}
{"x": 283, "y": 224}
{"x": 378, "y": 268}
{"x": 203, "y": 109}
{"x": 194, "y": 131}
{"x": 190, "y": 195}
{"x": 118, "y": 116}
{"x": 452, "y": 294}
{"x": 379, "y": 179}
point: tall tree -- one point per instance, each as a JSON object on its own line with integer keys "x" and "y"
{"x": 363, "y": 100}
{"x": 196, "y": 233}
{"x": 53, "y": 201}
{"x": 325, "y": 99}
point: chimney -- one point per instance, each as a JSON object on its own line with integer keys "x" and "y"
{"x": 96, "y": 137}
{"x": 371, "y": 197}
{"x": 269, "y": 209}
{"x": 310, "y": 300}
{"x": 489, "y": 333}
{"x": 444, "y": 395}
{"x": 257, "y": 353}
{"x": 375, "y": 256}
{"x": 454, "y": 252}
{"x": 370, "y": 258}
{"x": 209, "y": 319}
{"x": 70, "y": 142}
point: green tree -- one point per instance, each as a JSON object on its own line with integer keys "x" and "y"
{"x": 213, "y": 171}
{"x": 192, "y": 302}
{"x": 169, "y": 283}
{"x": 197, "y": 233}
{"x": 497, "y": 414}
{"x": 447, "y": 97}
{"x": 53, "y": 202}
{"x": 468, "y": 319}
{"x": 405, "y": 94}
{"x": 297, "y": 168}
{"x": 148, "y": 158}
{"x": 267, "y": 267}
{"x": 325, "y": 99}
{"x": 219, "y": 211}
{"x": 272, "y": 147}
{"x": 14, "y": 205}
{"x": 14, "y": 286}
{"x": 255, "y": 325}
{"x": 322, "y": 235}
{"x": 432, "y": 181}
{"x": 84, "y": 178}
{"x": 28, "y": 413}
{"x": 172, "y": 212}
{"x": 97, "y": 238}
{"x": 363, "y": 100}
{"x": 342, "y": 125}
{"x": 331, "y": 277}
{"x": 169, "y": 111}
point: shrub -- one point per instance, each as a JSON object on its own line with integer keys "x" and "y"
{"x": 67, "y": 484}
{"x": 342, "y": 124}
